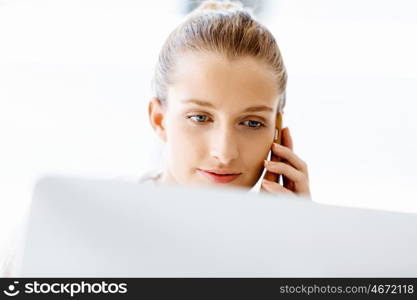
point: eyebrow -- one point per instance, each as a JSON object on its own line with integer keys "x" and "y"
{"x": 249, "y": 109}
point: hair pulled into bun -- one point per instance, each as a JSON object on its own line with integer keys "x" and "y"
{"x": 219, "y": 5}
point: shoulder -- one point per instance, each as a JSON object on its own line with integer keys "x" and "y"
{"x": 150, "y": 175}
{"x": 145, "y": 177}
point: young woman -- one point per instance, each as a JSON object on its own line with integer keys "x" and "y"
{"x": 219, "y": 84}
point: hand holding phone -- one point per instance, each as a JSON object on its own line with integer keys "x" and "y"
{"x": 295, "y": 173}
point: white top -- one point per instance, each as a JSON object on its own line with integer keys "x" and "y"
{"x": 149, "y": 177}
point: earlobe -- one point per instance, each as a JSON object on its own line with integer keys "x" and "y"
{"x": 156, "y": 115}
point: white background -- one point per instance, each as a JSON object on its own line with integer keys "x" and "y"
{"x": 75, "y": 81}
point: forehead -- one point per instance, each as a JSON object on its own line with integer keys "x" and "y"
{"x": 213, "y": 77}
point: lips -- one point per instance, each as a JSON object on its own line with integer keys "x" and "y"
{"x": 219, "y": 176}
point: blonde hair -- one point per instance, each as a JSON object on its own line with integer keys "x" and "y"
{"x": 223, "y": 27}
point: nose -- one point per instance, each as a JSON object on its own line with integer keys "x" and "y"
{"x": 224, "y": 146}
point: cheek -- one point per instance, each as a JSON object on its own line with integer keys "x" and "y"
{"x": 255, "y": 152}
{"x": 257, "y": 148}
{"x": 185, "y": 143}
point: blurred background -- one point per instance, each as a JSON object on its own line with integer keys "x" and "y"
{"x": 75, "y": 81}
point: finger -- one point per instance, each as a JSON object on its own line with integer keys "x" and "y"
{"x": 286, "y": 170}
{"x": 275, "y": 188}
{"x": 271, "y": 176}
{"x": 288, "y": 142}
{"x": 287, "y": 154}
{"x": 287, "y": 139}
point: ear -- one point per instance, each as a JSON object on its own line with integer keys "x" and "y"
{"x": 156, "y": 113}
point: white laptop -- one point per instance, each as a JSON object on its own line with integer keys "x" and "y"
{"x": 104, "y": 228}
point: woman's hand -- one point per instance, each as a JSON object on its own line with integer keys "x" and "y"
{"x": 293, "y": 169}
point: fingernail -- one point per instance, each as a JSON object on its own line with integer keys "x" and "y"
{"x": 266, "y": 181}
{"x": 266, "y": 162}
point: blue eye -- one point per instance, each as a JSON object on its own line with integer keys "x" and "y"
{"x": 254, "y": 124}
{"x": 198, "y": 118}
